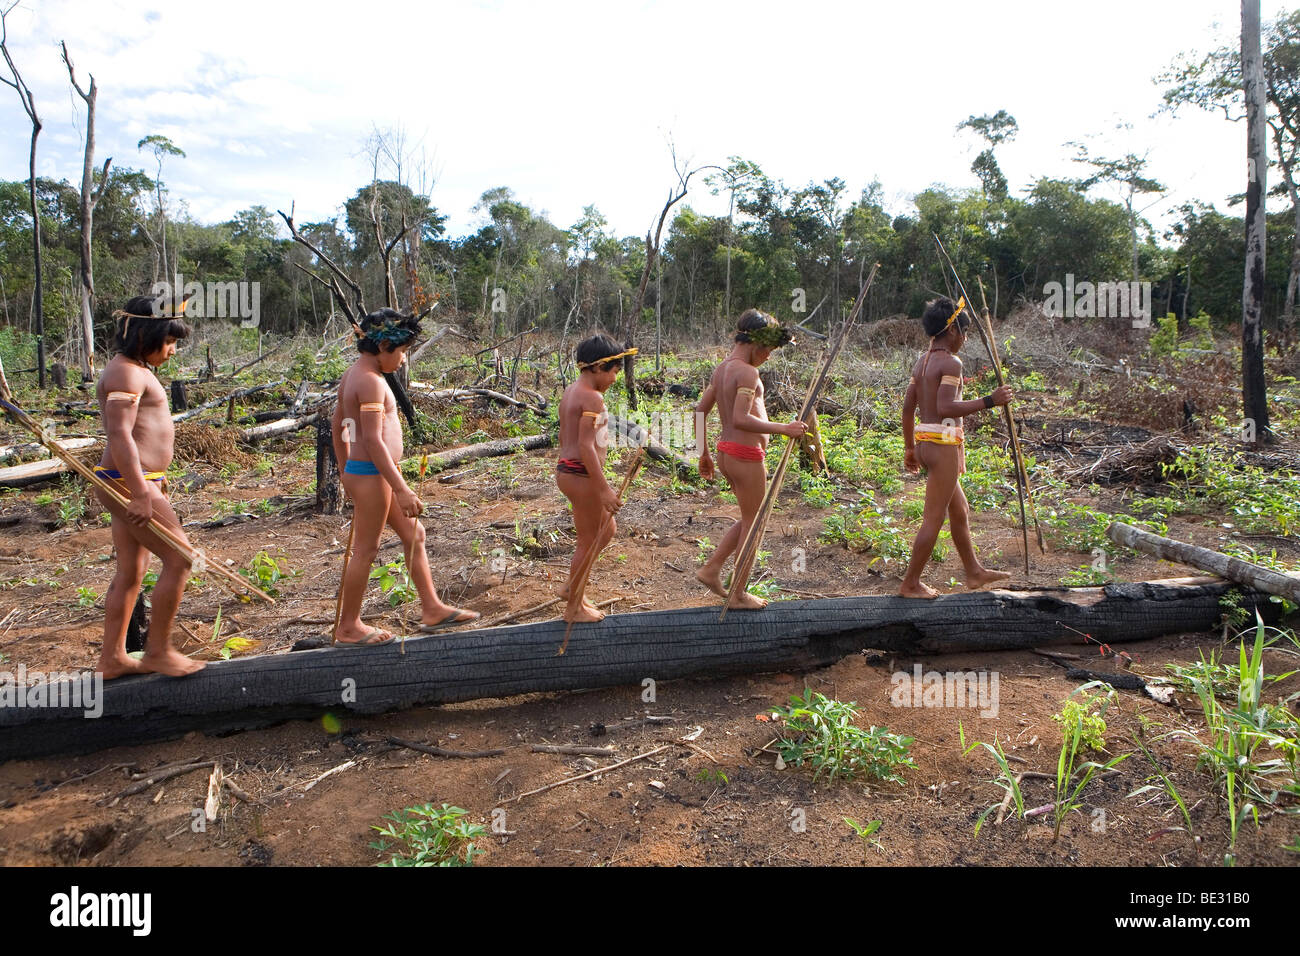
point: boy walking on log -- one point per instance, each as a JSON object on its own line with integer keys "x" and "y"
{"x": 738, "y": 392}
{"x": 138, "y": 425}
{"x": 935, "y": 389}
{"x": 580, "y": 472}
{"x": 368, "y": 438}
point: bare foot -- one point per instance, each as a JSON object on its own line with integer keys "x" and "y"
{"x": 712, "y": 580}
{"x": 564, "y": 594}
{"x": 583, "y": 614}
{"x": 171, "y": 663}
{"x": 118, "y": 666}
{"x": 747, "y": 602}
{"x": 984, "y": 577}
{"x": 918, "y": 590}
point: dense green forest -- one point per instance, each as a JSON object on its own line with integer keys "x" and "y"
{"x": 775, "y": 240}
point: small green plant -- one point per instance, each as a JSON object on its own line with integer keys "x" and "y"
{"x": 820, "y": 731}
{"x": 1233, "y": 612}
{"x": 1008, "y": 779}
{"x": 705, "y": 548}
{"x": 1238, "y": 735}
{"x": 1085, "y": 576}
{"x": 71, "y": 510}
{"x": 395, "y": 581}
{"x": 1087, "y": 714}
{"x": 865, "y": 831}
{"x": 265, "y": 572}
{"x": 818, "y": 492}
{"x": 1082, "y": 728}
{"x": 711, "y": 775}
{"x": 86, "y": 597}
{"x": 1165, "y": 783}
{"x": 429, "y": 836}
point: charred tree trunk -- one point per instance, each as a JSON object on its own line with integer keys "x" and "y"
{"x": 327, "y": 470}
{"x": 622, "y": 649}
{"x": 1254, "y": 397}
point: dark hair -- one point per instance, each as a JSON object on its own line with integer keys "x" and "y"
{"x": 141, "y": 332}
{"x": 590, "y": 351}
{"x": 387, "y": 328}
{"x": 937, "y": 313}
{"x": 755, "y": 320}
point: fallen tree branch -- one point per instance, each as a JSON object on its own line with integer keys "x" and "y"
{"x": 440, "y": 752}
{"x": 574, "y": 751}
{"x": 502, "y": 446}
{"x": 1233, "y": 569}
{"x": 591, "y": 773}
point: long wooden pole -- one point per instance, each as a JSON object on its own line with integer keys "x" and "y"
{"x": 165, "y": 533}
{"x": 748, "y": 550}
{"x": 578, "y": 583}
{"x": 1013, "y": 428}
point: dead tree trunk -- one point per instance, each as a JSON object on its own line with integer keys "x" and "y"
{"x": 487, "y": 449}
{"x": 622, "y": 649}
{"x": 1254, "y": 398}
{"x": 1233, "y": 569}
{"x": 89, "y": 197}
{"x": 327, "y": 470}
{"x": 29, "y": 107}
{"x": 651, "y": 254}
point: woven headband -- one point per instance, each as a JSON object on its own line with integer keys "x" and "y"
{"x": 961, "y": 304}
{"x": 608, "y": 358}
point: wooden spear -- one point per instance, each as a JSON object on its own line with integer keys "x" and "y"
{"x": 578, "y": 582}
{"x": 1013, "y": 427}
{"x": 168, "y": 535}
{"x": 748, "y": 550}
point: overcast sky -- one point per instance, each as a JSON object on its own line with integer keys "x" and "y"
{"x": 571, "y": 104}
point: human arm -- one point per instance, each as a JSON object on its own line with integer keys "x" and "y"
{"x": 948, "y": 406}
{"x": 123, "y": 389}
{"x": 373, "y": 412}
{"x": 909, "y": 428}
{"x": 702, "y": 409}
{"x": 742, "y": 417}
{"x": 593, "y": 411}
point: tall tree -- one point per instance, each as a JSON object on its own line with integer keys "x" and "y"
{"x": 1254, "y": 397}
{"x": 1127, "y": 173}
{"x": 161, "y": 146}
{"x": 995, "y": 129}
{"x": 1215, "y": 83}
{"x": 89, "y": 197}
{"x": 29, "y": 107}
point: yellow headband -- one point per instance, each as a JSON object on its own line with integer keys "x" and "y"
{"x": 606, "y": 359}
{"x": 961, "y": 304}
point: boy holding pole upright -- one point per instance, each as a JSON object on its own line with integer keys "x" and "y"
{"x": 936, "y": 445}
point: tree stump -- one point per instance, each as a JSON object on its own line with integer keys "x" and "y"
{"x": 327, "y": 470}
{"x": 179, "y": 403}
{"x": 59, "y": 373}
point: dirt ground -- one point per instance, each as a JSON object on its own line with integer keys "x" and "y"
{"x": 714, "y": 798}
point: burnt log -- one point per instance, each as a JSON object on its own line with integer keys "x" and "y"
{"x": 622, "y": 649}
